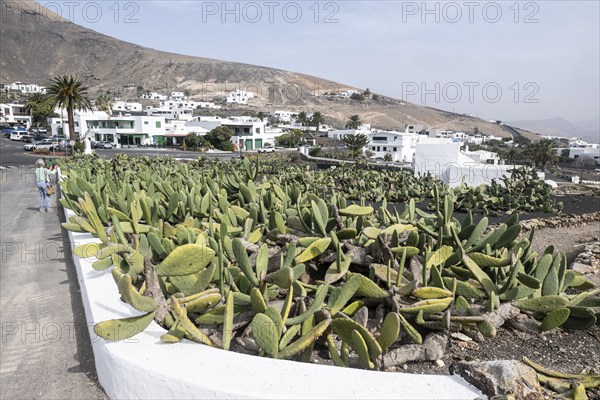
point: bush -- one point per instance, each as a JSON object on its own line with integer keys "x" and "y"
{"x": 357, "y": 96}
{"x": 314, "y": 151}
{"x": 225, "y": 146}
{"x": 368, "y": 154}
{"x": 41, "y": 151}
{"x": 79, "y": 147}
{"x": 387, "y": 157}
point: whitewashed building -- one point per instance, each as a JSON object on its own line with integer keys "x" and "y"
{"x": 400, "y": 146}
{"x": 15, "y": 115}
{"x": 284, "y": 116}
{"x": 25, "y": 88}
{"x": 444, "y": 159}
{"x": 240, "y": 97}
{"x": 153, "y": 96}
{"x": 120, "y": 130}
{"x": 125, "y": 106}
{"x": 177, "y": 96}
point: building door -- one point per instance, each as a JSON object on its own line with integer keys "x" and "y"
{"x": 249, "y": 144}
{"x": 258, "y": 144}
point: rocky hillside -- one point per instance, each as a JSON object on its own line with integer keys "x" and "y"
{"x": 38, "y": 44}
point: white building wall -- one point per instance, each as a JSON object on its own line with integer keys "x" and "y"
{"x": 446, "y": 162}
{"x": 585, "y": 153}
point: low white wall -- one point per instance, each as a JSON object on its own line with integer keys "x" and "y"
{"x": 143, "y": 367}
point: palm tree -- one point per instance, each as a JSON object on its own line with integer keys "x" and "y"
{"x": 70, "y": 93}
{"x": 316, "y": 120}
{"x": 354, "y": 122}
{"x": 542, "y": 152}
{"x": 39, "y": 108}
{"x": 302, "y": 118}
{"x": 104, "y": 102}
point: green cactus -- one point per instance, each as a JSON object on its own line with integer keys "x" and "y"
{"x": 390, "y": 331}
{"x": 185, "y": 260}
{"x": 124, "y": 328}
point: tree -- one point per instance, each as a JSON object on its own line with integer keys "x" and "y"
{"x": 187, "y": 93}
{"x": 355, "y": 143}
{"x": 70, "y": 93}
{"x": 302, "y": 118}
{"x": 357, "y": 96}
{"x": 192, "y": 141}
{"x": 260, "y": 115}
{"x": 40, "y": 109}
{"x": 220, "y": 137}
{"x": 316, "y": 120}
{"x": 476, "y": 130}
{"x": 388, "y": 157}
{"x": 290, "y": 139}
{"x": 354, "y": 122}
{"x": 104, "y": 102}
{"x": 542, "y": 152}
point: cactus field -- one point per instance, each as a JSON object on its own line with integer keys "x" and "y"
{"x": 282, "y": 261}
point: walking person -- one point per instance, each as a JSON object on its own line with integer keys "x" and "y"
{"x": 42, "y": 179}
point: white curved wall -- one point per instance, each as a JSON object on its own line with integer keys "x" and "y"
{"x": 143, "y": 367}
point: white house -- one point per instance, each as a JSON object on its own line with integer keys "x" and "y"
{"x": 482, "y": 156}
{"x": 239, "y": 97}
{"x": 25, "y": 88}
{"x": 585, "y": 153}
{"x": 249, "y": 133}
{"x": 15, "y": 115}
{"x": 579, "y": 150}
{"x": 339, "y": 134}
{"x": 126, "y": 106}
{"x": 120, "y": 130}
{"x": 153, "y": 96}
{"x": 284, "y": 115}
{"x": 399, "y": 145}
{"x": 177, "y": 96}
{"x": 443, "y": 159}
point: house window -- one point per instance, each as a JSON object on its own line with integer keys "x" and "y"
{"x": 384, "y": 148}
{"x": 158, "y": 124}
{"x": 257, "y": 130}
{"x": 378, "y": 148}
{"x": 145, "y": 122}
{"x": 373, "y": 148}
{"x": 395, "y": 148}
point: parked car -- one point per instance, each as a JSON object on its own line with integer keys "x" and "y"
{"x": 106, "y": 145}
{"x": 28, "y": 138}
{"x": 47, "y": 144}
{"x": 267, "y": 149}
{"x": 17, "y": 135}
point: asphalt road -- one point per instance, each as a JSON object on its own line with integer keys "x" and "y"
{"x": 12, "y": 153}
{"x": 45, "y": 350}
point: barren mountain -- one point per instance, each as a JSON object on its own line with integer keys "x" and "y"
{"x": 36, "y": 45}
{"x": 588, "y": 130}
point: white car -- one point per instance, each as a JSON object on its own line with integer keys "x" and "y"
{"x": 106, "y": 145}
{"x": 48, "y": 144}
{"x": 267, "y": 149}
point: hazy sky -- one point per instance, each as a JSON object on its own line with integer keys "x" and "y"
{"x": 503, "y": 60}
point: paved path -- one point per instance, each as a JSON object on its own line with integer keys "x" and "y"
{"x": 45, "y": 350}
